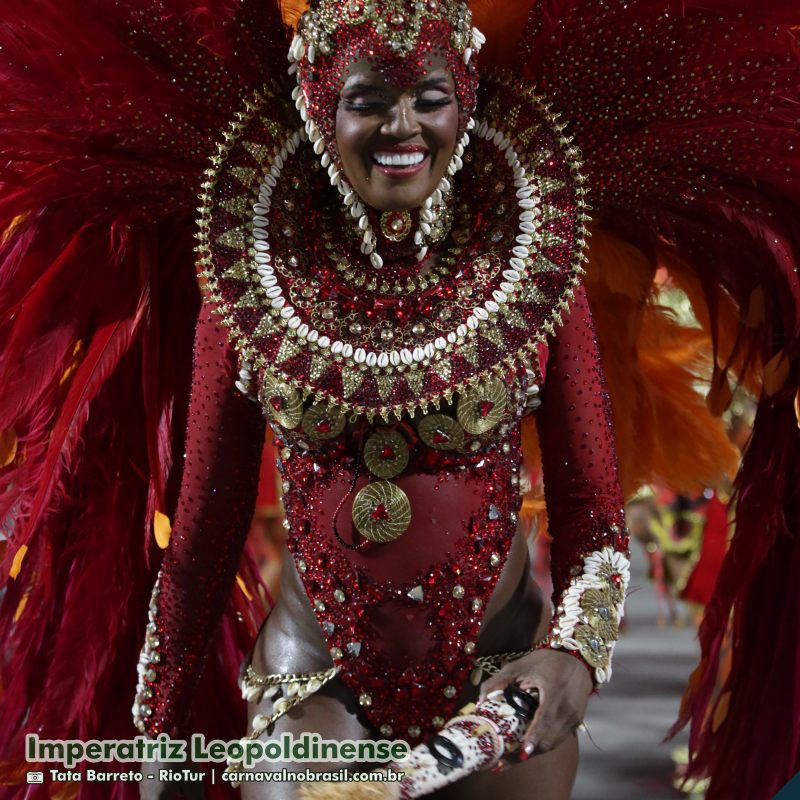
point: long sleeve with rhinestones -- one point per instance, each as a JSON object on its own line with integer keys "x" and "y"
{"x": 582, "y": 490}
{"x": 224, "y": 441}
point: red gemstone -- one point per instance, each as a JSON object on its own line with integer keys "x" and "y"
{"x": 387, "y": 452}
{"x": 484, "y": 407}
{"x": 616, "y": 579}
{"x": 380, "y": 513}
{"x": 323, "y": 426}
{"x": 276, "y": 401}
{"x": 440, "y": 437}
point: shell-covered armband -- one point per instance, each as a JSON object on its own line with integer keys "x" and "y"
{"x": 587, "y": 618}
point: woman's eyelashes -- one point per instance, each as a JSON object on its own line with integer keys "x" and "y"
{"x": 377, "y": 104}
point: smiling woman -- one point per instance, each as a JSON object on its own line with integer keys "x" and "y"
{"x": 391, "y": 268}
{"x": 396, "y": 142}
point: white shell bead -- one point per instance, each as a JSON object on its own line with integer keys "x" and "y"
{"x": 419, "y": 354}
{"x": 383, "y": 360}
{"x": 480, "y": 313}
{"x": 491, "y": 306}
{"x": 336, "y": 347}
{"x": 360, "y": 355}
{"x": 372, "y": 359}
{"x": 394, "y": 357}
{"x": 347, "y": 350}
{"x": 472, "y": 322}
{"x": 512, "y": 275}
{"x": 440, "y": 343}
{"x": 501, "y": 297}
{"x": 406, "y": 356}
{"x": 508, "y": 288}
{"x": 313, "y": 335}
{"x": 430, "y": 350}
{"x": 323, "y": 341}
{"x": 303, "y": 330}
{"x": 294, "y": 322}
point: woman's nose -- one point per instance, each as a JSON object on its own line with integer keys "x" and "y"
{"x": 402, "y": 122}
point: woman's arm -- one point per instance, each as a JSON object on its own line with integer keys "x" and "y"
{"x": 224, "y": 441}
{"x": 585, "y": 508}
{"x": 589, "y": 549}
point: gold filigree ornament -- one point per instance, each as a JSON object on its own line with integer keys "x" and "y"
{"x": 282, "y": 402}
{"x": 395, "y": 225}
{"x": 323, "y": 421}
{"x": 386, "y": 454}
{"x": 482, "y": 406}
{"x": 613, "y": 581}
{"x": 381, "y": 512}
{"x": 593, "y": 647}
{"x": 441, "y": 432}
{"x": 600, "y": 612}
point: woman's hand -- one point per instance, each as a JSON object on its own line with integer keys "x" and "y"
{"x": 564, "y": 686}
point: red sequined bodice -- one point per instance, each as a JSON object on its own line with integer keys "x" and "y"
{"x": 401, "y": 618}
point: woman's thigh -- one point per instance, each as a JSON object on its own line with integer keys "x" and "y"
{"x": 326, "y": 713}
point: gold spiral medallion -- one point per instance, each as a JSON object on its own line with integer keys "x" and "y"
{"x": 441, "y": 432}
{"x": 281, "y": 401}
{"x": 381, "y": 512}
{"x": 482, "y": 406}
{"x": 386, "y": 453}
{"x": 323, "y": 421}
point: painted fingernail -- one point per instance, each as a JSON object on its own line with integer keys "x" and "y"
{"x": 528, "y": 749}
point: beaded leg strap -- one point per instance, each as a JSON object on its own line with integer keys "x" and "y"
{"x": 285, "y": 690}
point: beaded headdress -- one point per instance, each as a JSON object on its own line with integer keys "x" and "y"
{"x": 398, "y": 37}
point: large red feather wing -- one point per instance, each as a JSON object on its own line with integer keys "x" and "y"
{"x": 108, "y": 115}
{"x": 686, "y": 114}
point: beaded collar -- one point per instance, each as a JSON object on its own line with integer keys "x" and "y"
{"x": 306, "y": 312}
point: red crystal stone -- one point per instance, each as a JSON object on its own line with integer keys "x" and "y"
{"x": 484, "y": 407}
{"x": 276, "y": 401}
{"x": 616, "y": 579}
{"x": 380, "y": 512}
{"x": 323, "y": 426}
{"x": 387, "y": 452}
{"x": 440, "y": 437}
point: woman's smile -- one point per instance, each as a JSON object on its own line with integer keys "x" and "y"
{"x": 395, "y": 142}
{"x": 400, "y": 161}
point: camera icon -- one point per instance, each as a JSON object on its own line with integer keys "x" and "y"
{"x": 36, "y": 777}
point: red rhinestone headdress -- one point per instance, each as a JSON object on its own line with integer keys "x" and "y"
{"x": 398, "y": 35}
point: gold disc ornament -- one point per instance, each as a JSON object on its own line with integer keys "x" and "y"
{"x": 395, "y": 225}
{"x": 441, "y": 432}
{"x": 386, "y": 454}
{"x": 482, "y": 406}
{"x": 323, "y": 421}
{"x": 281, "y": 401}
{"x": 381, "y": 512}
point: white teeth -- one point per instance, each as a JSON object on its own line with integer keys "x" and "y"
{"x": 399, "y": 159}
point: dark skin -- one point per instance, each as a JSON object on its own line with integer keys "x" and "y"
{"x": 373, "y": 115}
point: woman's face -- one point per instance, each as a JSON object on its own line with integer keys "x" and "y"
{"x": 395, "y": 143}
